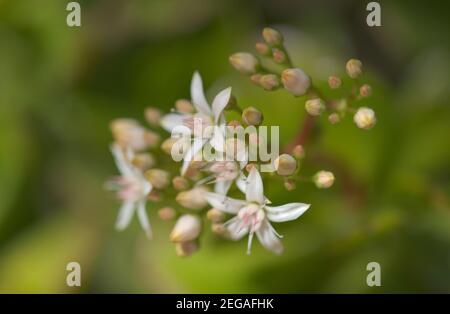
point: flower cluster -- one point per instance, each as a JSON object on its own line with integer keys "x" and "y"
{"x": 216, "y": 164}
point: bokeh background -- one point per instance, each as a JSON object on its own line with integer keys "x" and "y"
{"x": 60, "y": 87}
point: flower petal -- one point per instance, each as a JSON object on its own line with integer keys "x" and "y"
{"x": 196, "y": 146}
{"x": 122, "y": 164}
{"x": 220, "y": 102}
{"x": 143, "y": 219}
{"x": 286, "y": 212}
{"x": 241, "y": 183}
{"x": 125, "y": 215}
{"x": 218, "y": 139}
{"x": 172, "y": 120}
{"x": 224, "y": 203}
{"x": 255, "y": 189}
{"x": 198, "y": 96}
{"x": 222, "y": 186}
{"x": 235, "y": 228}
{"x": 268, "y": 238}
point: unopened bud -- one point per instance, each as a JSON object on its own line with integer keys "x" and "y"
{"x": 323, "y": 179}
{"x": 278, "y": 56}
{"x": 334, "y": 118}
{"x": 129, "y": 133}
{"x": 290, "y": 185}
{"x": 158, "y": 178}
{"x": 234, "y": 124}
{"x": 244, "y": 62}
{"x": 184, "y": 249}
{"x": 365, "y": 90}
{"x": 219, "y": 229}
{"x": 143, "y": 161}
{"x": 215, "y": 215}
{"x": 285, "y": 165}
{"x": 272, "y": 36}
{"x": 250, "y": 166}
{"x": 295, "y": 81}
{"x": 184, "y": 106}
{"x": 186, "y": 228}
{"x": 315, "y": 106}
{"x": 151, "y": 138}
{"x": 252, "y": 116}
{"x": 166, "y": 146}
{"x": 180, "y": 183}
{"x": 365, "y": 118}
{"x": 334, "y": 82}
{"x": 255, "y": 78}
{"x": 354, "y": 68}
{"x": 166, "y": 213}
{"x": 193, "y": 198}
{"x": 298, "y": 152}
{"x": 262, "y": 48}
{"x": 154, "y": 196}
{"x": 153, "y": 116}
{"x": 269, "y": 81}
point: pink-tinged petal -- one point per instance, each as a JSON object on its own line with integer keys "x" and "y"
{"x": 196, "y": 146}
{"x": 222, "y": 187}
{"x": 125, "y": 214}
{"x": 236, "y": 229}
{"x": 198, "y": 96}
{"x": 122, "y": 164}
{"x": 143, "y": 219}
{"x": 172, "y": 120}
{"x": 220, "y": 102}
{"x": 224, "y": 203}
{"x": 269, "y": 238}
{"x": 286, "y": 212}
{"x": 255, "y": 189}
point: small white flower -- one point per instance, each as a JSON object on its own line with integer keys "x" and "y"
{"x": 223, "y": 174}
{"x": 254, "y": 216}
{"x": 208, "y": 117}
{"x": 132, "y": 188}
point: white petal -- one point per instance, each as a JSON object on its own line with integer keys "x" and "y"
{"x": 286, "y": 212}
{"x": 235, "y": 229}
{"x": 241, "y": 183}
{"x": 125, "y": 215}
{"x": 255, "y": 189}
{"x": 122, "y": 164}
{"x": 220, "y": 102}
{"x": 224, "y": 203}
{"x": 218, "y": 139}
{"x": 222, "y": 186}
{"x": 196, "y": 146}
{"x": 268, "y": 238}
{"x": 143, "y": 219}
{"x": 198, "y": 96}
{"x": 171, "y": 120}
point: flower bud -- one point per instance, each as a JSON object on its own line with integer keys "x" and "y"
{"x": 365, "y": 90}
{"x": 180, "y": 183}
{"x": 323, "y": 179}
{"x": 250, "y": 166}
{"x": 278, "y": 56}
{"x": 129, "y": 133}
{"x": 151, "y": 138}
{"x": 158, "y": 178}
{"x": 285, "y": 165}
{"x": 143, "y": 161}
{"x": 184, "y": 106}
{"x": 187, "y": 228}
{"x": 262, "y": 48}
{"x": 219, "y": 229}
{"x": 244, "y": 62}
{"x": 215, "y": 215}
{"x": 290, "y": 185}
{"x": 183, "y": 249}
{"x": 334, "y": 82}
{"x": 154, "y": 196}
{"x": 269, "y": 81}
{"x": 255, "y": 78}
{"x": 252, "y": 116}
{"x": 272, "y": 36}
{"x": 365, "y": 118}
{"x": 298, "y": 152}
{"x": 334, "y": 118}
{"x": 233, "y": 124}
{"x": 153, "y": 116}
{"x": 193, "y": 198}
{"x": 166, "y": 213}
{"x": 315, "y": 106}
{"x": 295, "y": 81}
{"x": 354, "y": 68}
{"x": 166, "y": 146}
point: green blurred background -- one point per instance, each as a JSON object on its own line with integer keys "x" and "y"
{"x": 60, "y": 87}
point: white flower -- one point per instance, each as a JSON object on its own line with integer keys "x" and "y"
{"x": 253, "y": 215}
{"x": 223, "y": 174}
{"x": 132, "y": 188}
{"x": 208, "y": 117}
